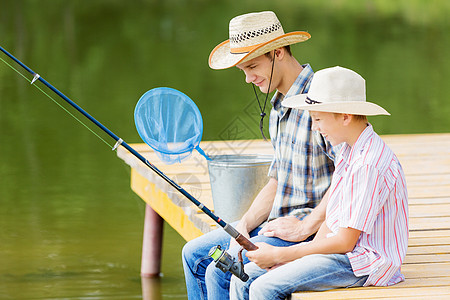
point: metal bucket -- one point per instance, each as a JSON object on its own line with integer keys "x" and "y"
{"x": 235, "y": 182}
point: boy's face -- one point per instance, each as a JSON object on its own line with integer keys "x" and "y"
{"x": 330, "y": 125}
{"x": 257, "y": 71}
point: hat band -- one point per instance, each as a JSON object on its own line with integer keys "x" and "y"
{"x": 311, "y": 101}
{"x": 243, "y": 49}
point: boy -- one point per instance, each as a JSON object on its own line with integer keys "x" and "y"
{"x": 364, "y": 238}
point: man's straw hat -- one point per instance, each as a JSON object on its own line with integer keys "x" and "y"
{"x": 337, "y": 90}
{"x": 252, "y": 35}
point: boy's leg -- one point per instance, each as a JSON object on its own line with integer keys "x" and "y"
{"x": 239, "y": 289}
{"x": 311, "y": 273}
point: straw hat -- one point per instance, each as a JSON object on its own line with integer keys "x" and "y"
{"x": 252, "y": 35}
{"x": 337, "y": 90}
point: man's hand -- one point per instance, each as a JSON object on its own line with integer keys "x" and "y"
{"x": 287, "y": 228}
{"x": 242, "y": 230}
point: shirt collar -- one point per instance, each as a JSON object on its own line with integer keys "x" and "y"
{"x": 350, "y": 154}
{"x": 300, "y": 85}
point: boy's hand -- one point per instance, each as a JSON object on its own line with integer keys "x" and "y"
{"x": 286, "y": 228}
{"x": 265, "y": 256}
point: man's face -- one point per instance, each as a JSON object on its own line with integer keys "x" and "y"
{"x": 257, "y": 71}
{"x": 330, "y": 125}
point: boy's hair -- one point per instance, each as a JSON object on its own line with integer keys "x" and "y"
{"x": 287, "y": 48}
{"x": 360, "y": 118}
{"x": 355, "y": 117}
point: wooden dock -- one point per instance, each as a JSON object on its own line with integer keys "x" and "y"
{"x": 426, "y": 162}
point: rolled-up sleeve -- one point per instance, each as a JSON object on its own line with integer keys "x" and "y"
{"x": 273, "y": 169}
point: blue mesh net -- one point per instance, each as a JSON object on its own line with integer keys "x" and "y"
{"x": 169, "y": 121}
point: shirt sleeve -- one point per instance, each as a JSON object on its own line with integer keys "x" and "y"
{"x": 361, "y": 199}
{"x": 273, "y": 127}
{"x": 273, "y": 168}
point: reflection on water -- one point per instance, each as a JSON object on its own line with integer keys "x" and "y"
{"x": 151, "y": 288}
{"x": 70, "y": 227}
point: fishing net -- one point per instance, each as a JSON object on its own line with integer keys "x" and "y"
{"x": 170, "y": 123}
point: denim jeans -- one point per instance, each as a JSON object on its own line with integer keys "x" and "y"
{"x": 315, "y": 272}
{"x": 203, "y": 279}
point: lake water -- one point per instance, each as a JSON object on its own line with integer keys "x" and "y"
{"x": 70, "y": 226}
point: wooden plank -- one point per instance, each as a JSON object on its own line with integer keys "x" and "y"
{"x": 435, "y": 210}
{"x": 429, "y": 223}
{"x": 428, "y": 201}
{"x": 437, "y": 275}
{"x": 419, "y": 151}
{"x": 428, "y": 180}
{"x": 378, "y": 293}
{"x": 427, "y": 258}
{"x": 429, "y": 233}
{"x": 420, "y": 280}
{"x": 422, "y": 167}
{"x": 428, "y": 241}
{"x": 419, "y": 139}
{"x": 411, "y": 297}
{"x": 426, "y": 192}
{"x": 429, "y": 249}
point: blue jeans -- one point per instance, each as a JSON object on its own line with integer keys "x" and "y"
{"x": 203, "y": 279}
{"x": 315, "y": 272}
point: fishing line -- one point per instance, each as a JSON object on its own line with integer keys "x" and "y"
{"x": 242, "y": 240}
{"x": 57, "y": 103}
{"x": 125, "y": 167}
{"x": 263, "y": 113}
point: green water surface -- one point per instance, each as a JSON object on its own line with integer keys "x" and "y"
{"x": 70, "y": 226}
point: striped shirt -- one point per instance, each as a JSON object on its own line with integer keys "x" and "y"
{"x": 300, "y": 165}
{"x": 368, "y": 193}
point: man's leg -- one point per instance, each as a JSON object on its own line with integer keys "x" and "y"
{"x": 196, "y": 259}
{"x": 218, "y": 283}
{"x": 310, "y": 273}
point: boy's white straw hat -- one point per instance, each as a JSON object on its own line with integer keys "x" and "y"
{"x": 252, "y": 35}
{"x": 337, "y": 90}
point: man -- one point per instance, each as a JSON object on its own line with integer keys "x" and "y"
{"x": 365, "y": 236}
{"x": 300, "y": 173}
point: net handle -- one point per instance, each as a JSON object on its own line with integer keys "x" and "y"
{"x": 200, "y": 150}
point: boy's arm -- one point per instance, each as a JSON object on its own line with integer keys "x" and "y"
{"x": 268, "y": 256}
{"x": 294, "y": 230}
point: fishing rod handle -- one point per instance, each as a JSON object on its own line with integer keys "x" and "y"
{"x": 242, "y": 240}
{"x": 246, "y": 243}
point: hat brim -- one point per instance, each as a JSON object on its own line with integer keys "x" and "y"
{"x": 363, "y": 108}
{"x": 222, "y": 58}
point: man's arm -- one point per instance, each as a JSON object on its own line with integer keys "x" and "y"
{"x": 293, "y": 230}
{"x": 259, "y": 210}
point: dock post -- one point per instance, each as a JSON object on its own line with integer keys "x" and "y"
{"x": 152, "y": 243}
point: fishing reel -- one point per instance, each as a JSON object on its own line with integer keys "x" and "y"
{"x": 226, "y": 262}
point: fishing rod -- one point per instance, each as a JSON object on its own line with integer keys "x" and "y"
{"x": 218, "y": 255}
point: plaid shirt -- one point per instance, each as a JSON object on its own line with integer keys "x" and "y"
{"x": 303, "y": 160}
